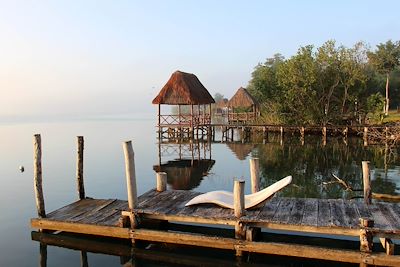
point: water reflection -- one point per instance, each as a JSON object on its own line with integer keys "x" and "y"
{"x": 313, "y": 163}
{"x": 185, "y": 174}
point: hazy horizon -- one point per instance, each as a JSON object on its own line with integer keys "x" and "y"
{"x": 102, "y": 58}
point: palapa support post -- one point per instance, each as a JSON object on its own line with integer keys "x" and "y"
{"x": 302, "y": 131}
{"x": 161, "y": 181}
{"x": 130, "y": 180}
{"x": 366, "y": 182}
{"x": 265, "y": 134}
{"x": 255, "y": 174}
{"x": 366, "y": 236}
{"x": 79, "y": 167}
{"x": 365, "y": 136}
{"x": 37, "y": 175}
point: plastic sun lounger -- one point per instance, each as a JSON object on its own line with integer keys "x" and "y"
{"x": 225, "y": 199}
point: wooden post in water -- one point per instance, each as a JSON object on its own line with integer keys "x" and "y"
{"x": 161, "y": 181}
{"x": 255, "y": 174}
{"x": 366, "y": 182}
{"x": 37, "y": 175}
{"x": 79, "y": 167}
{"x": 282, "y": 134}
{"x": 130, "y": 174}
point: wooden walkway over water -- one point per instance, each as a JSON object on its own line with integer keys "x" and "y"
{"x": 321, "y": 216}
{"x": 148, "y": 218}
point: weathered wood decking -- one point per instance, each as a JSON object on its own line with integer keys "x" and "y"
{"x": 323, "y": 216}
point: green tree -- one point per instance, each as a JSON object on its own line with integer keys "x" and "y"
{"x": 385, "y": 59}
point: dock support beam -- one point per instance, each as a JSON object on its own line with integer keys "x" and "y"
{"x": 37, "y": 175}
{"x": 79, "y": 167}
{"x": 366, "y": 237}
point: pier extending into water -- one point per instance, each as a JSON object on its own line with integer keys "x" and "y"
{"x": 152, "y": 217}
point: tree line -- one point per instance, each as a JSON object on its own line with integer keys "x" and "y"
{"x": 328, "y": 84}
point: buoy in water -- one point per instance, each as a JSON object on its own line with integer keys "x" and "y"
{"x": 21, "y": 168}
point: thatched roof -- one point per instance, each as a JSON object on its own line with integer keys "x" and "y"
{"x": 240, "y": 150}
{"x": 183, "y": 89}
{"x": 185, "y": 174}
{"x": 222, "y": 103}
{"x": 242, "y": 98}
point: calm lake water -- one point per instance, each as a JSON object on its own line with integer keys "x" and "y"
{"x": 311, "y": 166}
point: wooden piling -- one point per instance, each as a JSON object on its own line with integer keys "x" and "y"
{"x": 366, "y": 182}
{"x": 130, "y": 174}
{"x": 79, "y": 167}
{"x": 161, "y": 181}
{"x": 366, "y": 237}
{"x": 37, "y": 175}
{"x": 238, "y": 204}
{"x": 255, "y": 174}
{"x": 324, "y": 135}
{"x": 238, "y": 198}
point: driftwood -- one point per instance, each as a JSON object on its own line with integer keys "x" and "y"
{"x": 347, "y": 187}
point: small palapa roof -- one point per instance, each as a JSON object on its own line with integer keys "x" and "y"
{"x": 242, "y": 98}
{"x": 183, "y": 89}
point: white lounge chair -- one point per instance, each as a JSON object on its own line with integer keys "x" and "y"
{"x": 225, "y": 199}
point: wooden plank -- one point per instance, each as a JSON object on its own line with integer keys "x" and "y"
{"x": 282, "y": 214}
{"x": 112, "y": 210}
{"x": 324, "y": 213}
{"x": 296, "y": 215}
{"x": 184, "y": 239}
{"x": 337, "y": 212}
{"x": 314, "y": 252}
{"x": 381, "y": 222}
{"x": 396, "y": 210}
{"x": 93, "y": 212}
{"x": 81, "y": 228}
{"x": 363, "y": 210}
{"x": 351, "y": 214}
{"x": 78, "y": 209}
{"x": 268, "y": 212}
{"x": 390, "y": 214}
{"x": 310, "y": 215}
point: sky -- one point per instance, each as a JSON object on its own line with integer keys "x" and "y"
{"x": 109, "y": 58}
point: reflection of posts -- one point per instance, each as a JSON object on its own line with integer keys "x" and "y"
{"x": 42, "y": 255}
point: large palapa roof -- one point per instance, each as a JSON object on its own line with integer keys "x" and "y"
{"x": 242, "y": 98}
{"x": 183, "y": 89}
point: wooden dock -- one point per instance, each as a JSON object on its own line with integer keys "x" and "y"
{"x": 321, "y": 216}
{"x": 149, "y": 217}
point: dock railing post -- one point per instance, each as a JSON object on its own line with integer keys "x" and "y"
{"x": 366, "y": 182}
{"x": 238, "y": 205}
{"x": 161, "y": 181}
{"x": 255, "y": 174}
{"x": 79, "y": 167}
{"x": 37, "y": 175}
{"x": 130, "y": 180}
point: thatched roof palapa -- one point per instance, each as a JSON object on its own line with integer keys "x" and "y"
{"x": 242, "y": 98}
{"x": 183, "y": 89}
